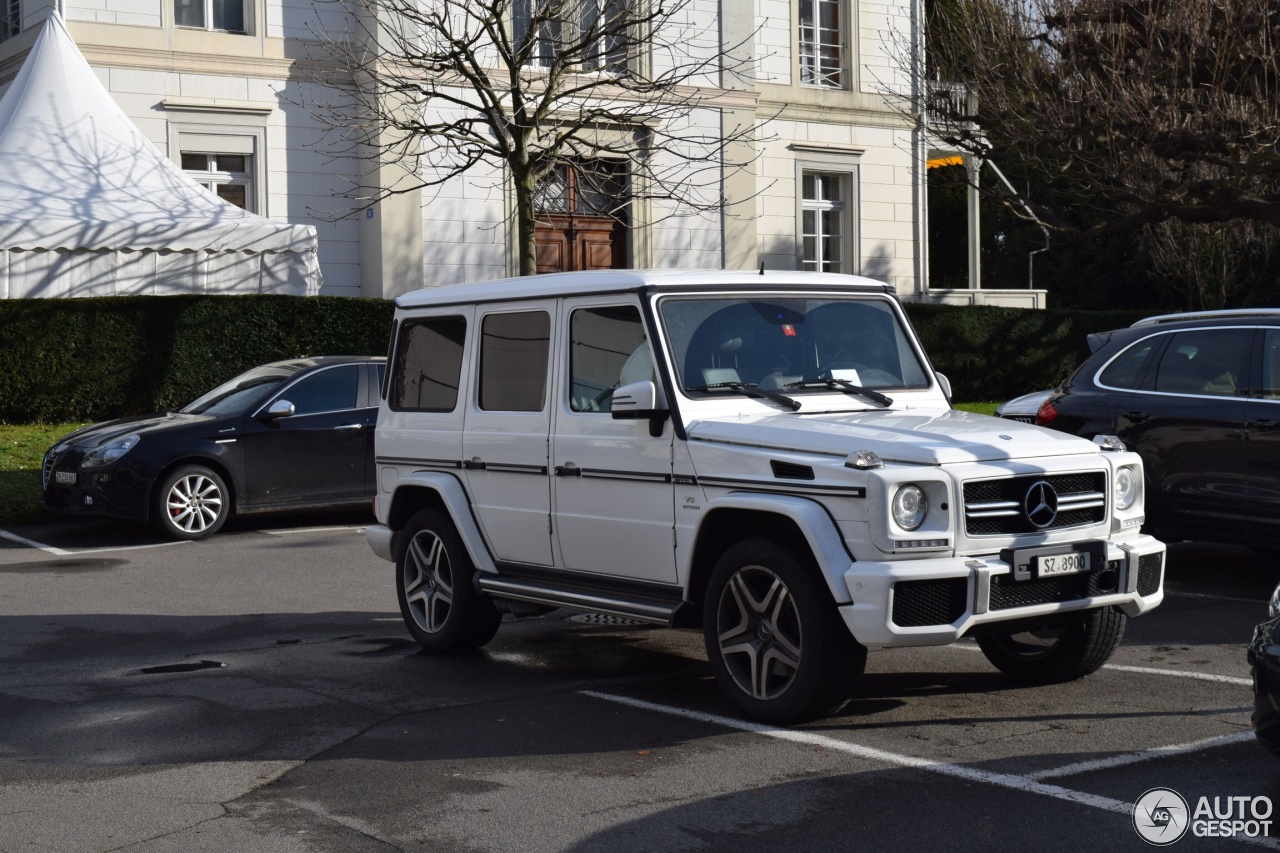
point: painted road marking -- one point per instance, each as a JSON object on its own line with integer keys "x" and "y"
{"x": 1146, "y": 670}
{"x": 959, "y": 771}
{"x": 311, "y": 530}
{"x": 1144, "y": 755}
{"x": 62, "y": 552}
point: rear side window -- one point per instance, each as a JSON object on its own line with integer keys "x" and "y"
{"x": 1205, "y": 361}
{"x": 1128, "y": 368}
{"x": 428, "y": 365}
{"x": 513, "y": 361}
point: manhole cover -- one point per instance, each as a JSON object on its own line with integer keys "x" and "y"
{"x": 601, "y": 619}
{"x": 181, "y": 667}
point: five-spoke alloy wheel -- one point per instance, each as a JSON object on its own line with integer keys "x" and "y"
{"x": 776, "y": 643}
{"x": 192, "y": 503}
{"x": 441, "y": 608}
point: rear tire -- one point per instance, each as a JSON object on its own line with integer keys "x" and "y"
{"x": 440, "y": 606}
{"x": 777, "y": 645}
{"x": 1063, "y": 649}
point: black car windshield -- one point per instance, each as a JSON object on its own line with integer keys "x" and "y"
{"x": 774, "y": 342}
{"x": 241, "y": 393}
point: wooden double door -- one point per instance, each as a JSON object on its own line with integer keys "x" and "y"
{"x": 582, "y": 218}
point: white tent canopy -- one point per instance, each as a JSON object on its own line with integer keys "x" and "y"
{"x": 89, "y": 207}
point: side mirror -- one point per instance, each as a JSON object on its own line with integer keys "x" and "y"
{"x": 637, "y": 401}
{"x": 945, "y": 384}
{"x": 279, "y": 409}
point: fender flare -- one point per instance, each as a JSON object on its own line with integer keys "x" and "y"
{"x": 455, "y": 500}
{"x": 815, "y": 524}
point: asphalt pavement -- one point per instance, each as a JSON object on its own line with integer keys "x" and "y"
{"x": 258, "y": 692}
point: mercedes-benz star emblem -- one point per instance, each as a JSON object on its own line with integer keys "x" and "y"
{"x": 1041, "y": 504}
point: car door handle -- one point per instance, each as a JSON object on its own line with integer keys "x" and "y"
{"x": 1136, "y": 416}
{"x": 568, "y": 469}
{"x": 475, "y": 464}
{"x": 1263, "y": 425}
{"x": 347, "y": 427}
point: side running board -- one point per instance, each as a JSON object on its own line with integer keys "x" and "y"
{"x": 640, "y": 608}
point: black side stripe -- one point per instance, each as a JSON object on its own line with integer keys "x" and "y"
{"x": 426, "y": 463}
{"x": 775, "y": 486}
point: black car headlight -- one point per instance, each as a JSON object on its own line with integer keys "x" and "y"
{"x": 1274, "y": 607}
{"x": 105, "y": 454}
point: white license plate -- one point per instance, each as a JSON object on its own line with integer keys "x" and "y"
{"x": 1062, "y": 564}
{"x": 68, "y": 477}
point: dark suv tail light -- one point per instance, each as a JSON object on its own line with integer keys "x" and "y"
{"x": 1047, "y": 414}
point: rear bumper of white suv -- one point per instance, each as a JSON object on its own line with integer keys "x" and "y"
{"x": 936, "y": 601}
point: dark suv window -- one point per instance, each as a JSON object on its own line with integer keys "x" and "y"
{"x": 329, "y": 390}
{"x": 513, "y": 361}
{"x": 1128, "y": 368}
{"x": 428, "y": 365}
{"x": 1205, "y": 361}
{"x": 607, "y": 348}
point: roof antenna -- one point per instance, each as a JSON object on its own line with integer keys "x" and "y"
{"x": 762, "y": 268}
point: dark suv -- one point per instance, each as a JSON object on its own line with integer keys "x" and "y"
{"x": 1198, "y": 396}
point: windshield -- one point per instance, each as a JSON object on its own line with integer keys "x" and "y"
{"x": 241, "y": 393}
{"x": 784, "y": 342}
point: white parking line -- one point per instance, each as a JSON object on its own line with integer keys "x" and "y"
{"x": 311, "y": 529}
{"x": 1238, "y": 600}
{"x": 1146, "y": 670}
{"x": 1200, "y": 676}
{"x": 972, "y": 774}
{"x": 1144, "y": 755}
{"x": 62, "y": 552}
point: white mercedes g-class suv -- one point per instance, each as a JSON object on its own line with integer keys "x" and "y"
{"x": 768, "y": 457}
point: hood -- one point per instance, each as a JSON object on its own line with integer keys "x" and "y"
{"x": 95, "y": 434}
{"x": 936, "y": 437}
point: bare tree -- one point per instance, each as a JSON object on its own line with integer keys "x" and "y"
{"x": 536, "y": 87}
{"x": 1124, "y": 113}
{"x": 1206, "y": 266}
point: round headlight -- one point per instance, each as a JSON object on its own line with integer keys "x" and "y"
{"x": 1126, "y": 487}
{"x": 910, "y": 506}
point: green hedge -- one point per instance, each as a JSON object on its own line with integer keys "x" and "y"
{"x": 90, "y": 359}
{"x": 991, "y": 353}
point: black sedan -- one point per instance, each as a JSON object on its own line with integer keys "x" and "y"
{"x": 288, "y": 435}
{"x": 1198, "y": 397}
{"x": 1264, "y": 658}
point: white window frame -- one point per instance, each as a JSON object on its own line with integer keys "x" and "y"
{"x": 207, "y": 26}
{"x": 809, "y": 44}
{"x": 570, "y": 25}
{"x": 211, "y": 178}
{"x": 224, "y": 133}
{"x": 845, "y": 180}
{"x": 11, "y": 19}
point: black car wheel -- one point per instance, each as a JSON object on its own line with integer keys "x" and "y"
{"x": 191, "y": 503}
{"x": 441, "y": 608}
{"x": 777, "y": 645}
{"x": 1061, "y": 649}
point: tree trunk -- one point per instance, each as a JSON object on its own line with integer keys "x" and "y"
{"x": 526, "y": 246}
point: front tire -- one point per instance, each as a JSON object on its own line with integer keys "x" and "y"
{"x": 1063, "y": 649}
{"x": 192, "y": 503}
{"x": 779, "y": 649}
{"x": 440, "y": 607}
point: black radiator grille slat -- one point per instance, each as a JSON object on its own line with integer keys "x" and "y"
{"x": 1150, "y": 568}
{"x": 1007, "y": 593}
{"x": 1013, "y": 490}
{"x": 930, "y": 602}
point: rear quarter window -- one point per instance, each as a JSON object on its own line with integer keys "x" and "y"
{"x": 427, "y": 365}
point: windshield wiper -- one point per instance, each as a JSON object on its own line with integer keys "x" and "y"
{"x": 846, "y": 386}
{"x": 751, "y": 391}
